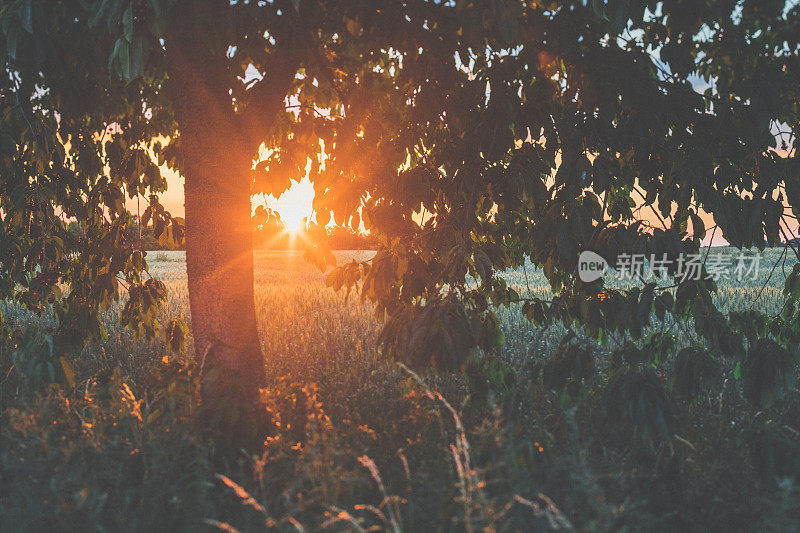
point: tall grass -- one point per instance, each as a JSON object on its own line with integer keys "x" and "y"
{"x": 361, "y": 443}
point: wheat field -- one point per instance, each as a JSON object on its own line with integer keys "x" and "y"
{"x": 365, "y": 444}
{"x": 300, "y": 318}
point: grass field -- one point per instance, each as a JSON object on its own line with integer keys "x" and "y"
{"x": 365, "y": 444}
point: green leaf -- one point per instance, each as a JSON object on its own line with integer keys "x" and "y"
{"x": 11, "y": 41}
{"x": 599, "y": 8}
{"x": 698, "y": 227}
{"x": 101, "y": 12}
{"x": 135, "y": 57}
{"x": 768, "y": 373}
{"x": 127, "y": 23}
{"x": 27, "y": 15}
{"x": 176, "y": 334}
{"x": 791, "y": 288}
{"x": 695, "y": 372}
{"x": 69, "y": 373}
{"x": 637, "y": 397}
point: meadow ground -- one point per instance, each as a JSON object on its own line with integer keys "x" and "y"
{"x": 363, "y": 443}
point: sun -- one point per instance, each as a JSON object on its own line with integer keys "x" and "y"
{"x": 295, "y": 205}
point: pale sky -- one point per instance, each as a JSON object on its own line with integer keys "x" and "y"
{"x": 293, "y": 205}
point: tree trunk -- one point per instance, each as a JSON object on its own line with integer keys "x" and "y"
{"x": 219, "y": 243}
{"x": 217, "y": 148}
{"x": 219, "y": 267}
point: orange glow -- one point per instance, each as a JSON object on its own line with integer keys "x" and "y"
{"x": 294, "y": 205}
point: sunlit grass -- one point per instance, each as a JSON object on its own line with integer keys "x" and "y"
{"x": 371, "y": 436}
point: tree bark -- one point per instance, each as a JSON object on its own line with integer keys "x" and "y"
{"x": 217, "y": 148}
{"x": 219, "y": 244}
{"x": 219, "y": 268}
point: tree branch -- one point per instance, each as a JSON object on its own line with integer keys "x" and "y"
{"x": 268, "y": 95}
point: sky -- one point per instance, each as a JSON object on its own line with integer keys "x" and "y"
{"x": 293, "y": 205}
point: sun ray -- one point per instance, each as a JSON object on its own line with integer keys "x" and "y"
{"x": 294, "y": 205}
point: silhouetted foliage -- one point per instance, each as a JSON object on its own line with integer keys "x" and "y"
{"x": 468, "y": 138}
